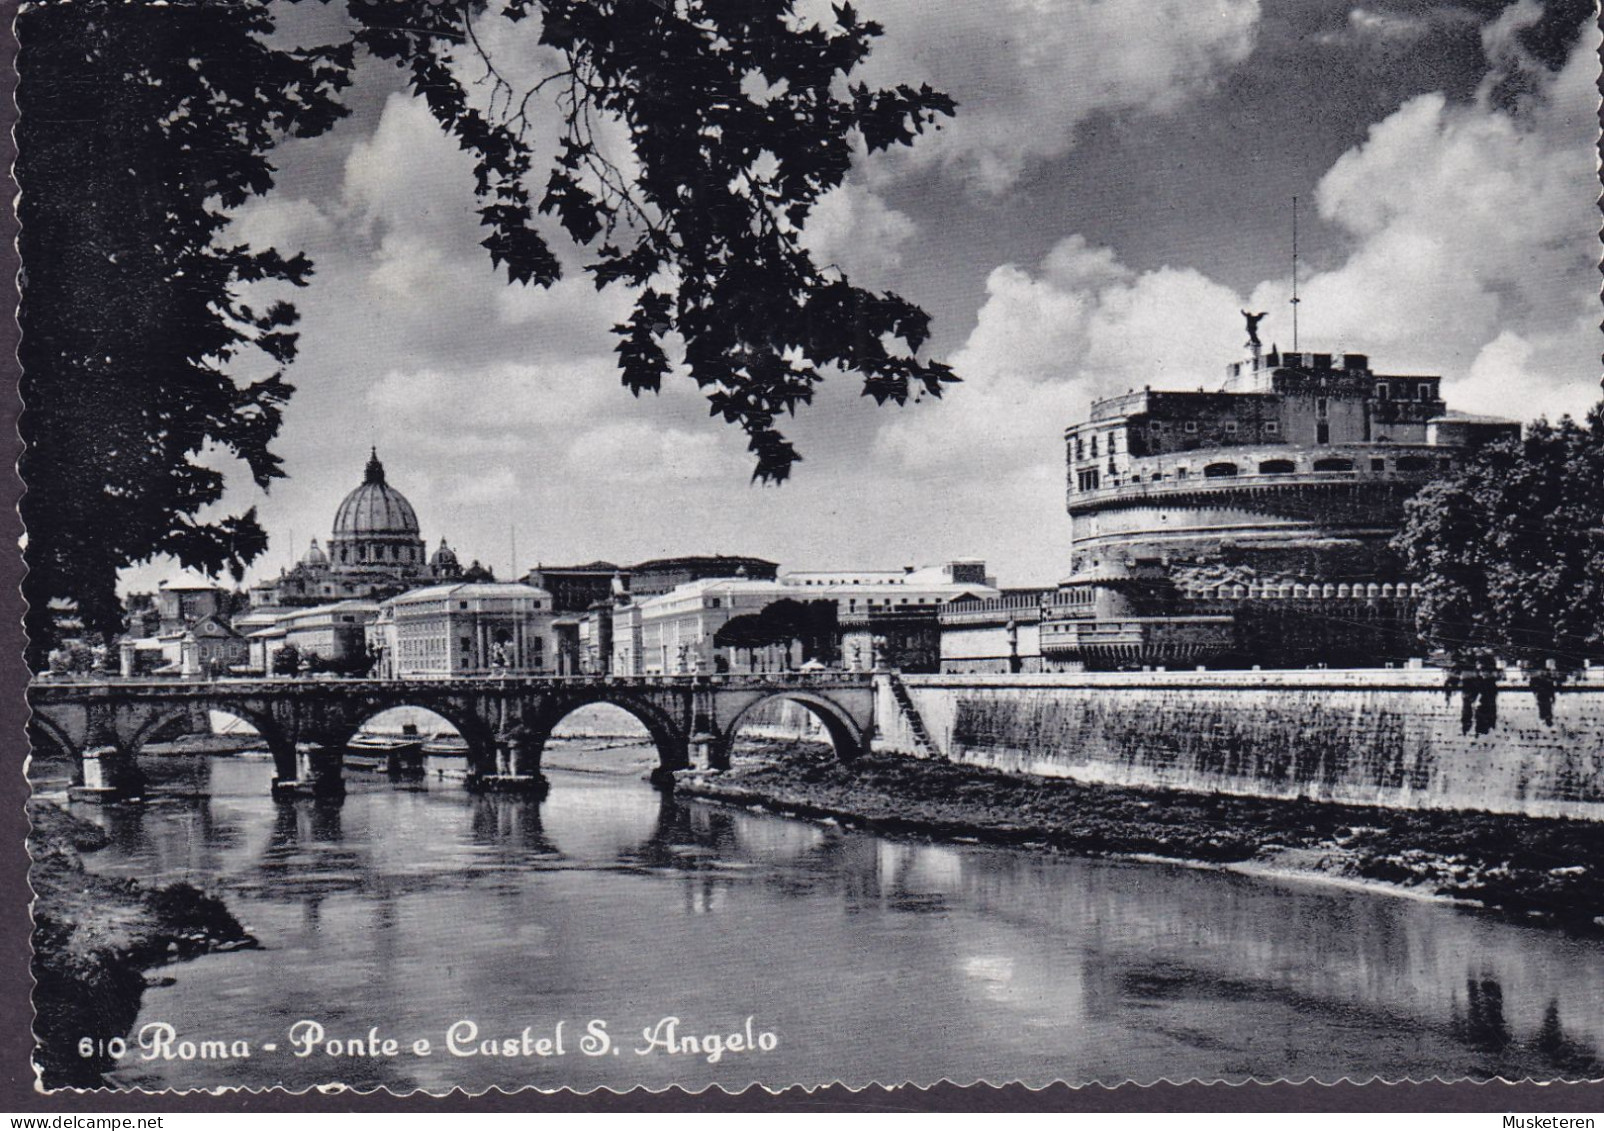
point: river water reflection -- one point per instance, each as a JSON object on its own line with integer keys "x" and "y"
{"x": 870, "y": 959}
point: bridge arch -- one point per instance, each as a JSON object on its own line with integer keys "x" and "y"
{"x": 667, "y": 734}
{"x": 265, "y": 725}
{"x": 474, "y": 726}
{"x": 151, "y": 729}
{"x": 41, "y": 724}
{"x": 847, "y": 737}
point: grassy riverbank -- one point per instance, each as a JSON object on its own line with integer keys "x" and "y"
{"x": 93, "y": 939}
{"x": 1544, "y": 871}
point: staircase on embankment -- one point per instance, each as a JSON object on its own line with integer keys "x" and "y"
{"x": 924, "y": 746}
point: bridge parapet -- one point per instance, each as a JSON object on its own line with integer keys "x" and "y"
{"x": 53, "y": 690}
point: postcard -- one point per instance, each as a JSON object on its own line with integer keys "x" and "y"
{"x": 610, "y": 544}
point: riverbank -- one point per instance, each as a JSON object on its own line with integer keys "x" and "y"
{"x": 94, "y": 937}
{"x": 200, "y": 744}
{"x": 1545, "y": 871}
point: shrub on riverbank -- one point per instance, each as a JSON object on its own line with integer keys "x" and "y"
{"x": 93, "y": 937}
{"x": 1545, "y": 869}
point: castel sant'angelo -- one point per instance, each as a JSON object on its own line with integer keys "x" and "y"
{"x": 1251, "y": 524}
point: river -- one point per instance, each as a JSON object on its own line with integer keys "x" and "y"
{"x": 413, "y": 909}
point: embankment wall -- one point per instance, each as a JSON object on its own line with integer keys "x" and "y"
{"x": 1389, "y": 738}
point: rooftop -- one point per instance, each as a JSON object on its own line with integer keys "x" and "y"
{"x": 700, "y": 560}
{"x": 466, "y": 591}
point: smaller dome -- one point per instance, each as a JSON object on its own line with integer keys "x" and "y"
{"x": 314, "y": 555}
{"x": 444, "y": 556}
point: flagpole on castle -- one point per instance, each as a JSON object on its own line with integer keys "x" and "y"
{"x": 1295, "y": 299}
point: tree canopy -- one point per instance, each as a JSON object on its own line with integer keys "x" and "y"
{"x": 1509, "y": 552}
{"x": 144, "y": 127}
{"x": 141, "y": 127}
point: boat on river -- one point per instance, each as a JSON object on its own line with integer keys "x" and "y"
{"x": 446, "y": 746}
{"x": 385, "y": 753}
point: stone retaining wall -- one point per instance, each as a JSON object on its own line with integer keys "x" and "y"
{"x": 1388, "y": 738}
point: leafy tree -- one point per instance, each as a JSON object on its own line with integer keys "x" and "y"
{"x": 144, "y": 126}
{"x": 708, "y": 226}
{"x": 287, "y": 660}
{"x": 1510, "y": 552}
{"x": 141, "y": 127}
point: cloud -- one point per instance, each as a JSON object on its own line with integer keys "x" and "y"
{"x": 1392, "y": 30}
{"x": 281, "y": 222}
{"x": 639, "y": 451}
{"x": 1027, "y": 73}
{"x": 854, "y": 229}
{"x": 1048, "y": 342}
{"x": 1385, "y": 25}
{"x": 503, "y": 396}
{"x": 1471, "y": 253}
{"x": 1467, "y": 223}
{"x": 483, "y": 487}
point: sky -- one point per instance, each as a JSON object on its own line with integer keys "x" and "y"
{"x": 1116, "y": 186}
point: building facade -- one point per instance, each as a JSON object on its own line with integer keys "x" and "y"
{"x": 1251, "y": 525}
{"x": 998, "y": 634}
{"x": 183, "y": 629}
{"x": 677, "y": 631}
{"x": 205, "y": 649}
{"x": 465, "y": 629}
{"x": 601, "y": 622}
{"x": 331, "y": 637}
{"x": 892, "y": 618}
{"x": 186, "y": 601}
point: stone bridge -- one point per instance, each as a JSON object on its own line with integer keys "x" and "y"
{"x": 505, "y": 722}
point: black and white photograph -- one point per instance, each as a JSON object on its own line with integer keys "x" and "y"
{"x": 646, "y": 544}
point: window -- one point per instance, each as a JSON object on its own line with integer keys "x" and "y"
{"x": 1414, "y": 463}
{"x": 1191, "y": 426}
{"x": 1277, "y": 467}
{"x": 1424, "y": 391}
{"x": 1272, "y": 427}
{"x": 1333, "y": 465}
{"x": 713, "y": 604}
{"x": 1383, "y": 391}
{"x": 1219, "y": 470}
{"x": 462, "y": 604}
{"x": 1322, "y": 433}
{"x": 1230, "y": 428}
{"x": 1321, "y": 407}
{"x": 1094, "y": 447}
{"x": 1378, "y": 465}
